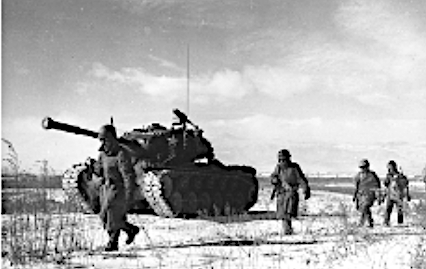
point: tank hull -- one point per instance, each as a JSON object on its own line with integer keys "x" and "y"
{"x": 196, "y": 189}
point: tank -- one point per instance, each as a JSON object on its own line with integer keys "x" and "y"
{"x": 176, "y": 169}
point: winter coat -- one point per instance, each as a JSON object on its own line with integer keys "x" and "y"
{"x": 116, "y": 193}
{"x": 287, "y": 181}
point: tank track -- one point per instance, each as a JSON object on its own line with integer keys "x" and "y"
{"x": 69, "y": 186}
{"x": 151, "y": 188}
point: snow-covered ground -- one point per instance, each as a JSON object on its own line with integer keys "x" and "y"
{"x": 326, "y": 236}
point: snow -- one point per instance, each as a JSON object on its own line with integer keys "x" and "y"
{"x": 326, "y": 236}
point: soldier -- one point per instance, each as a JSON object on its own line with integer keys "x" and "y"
{"x": 116, "y": 193}
{"x": 366, "y": 183}
{"x": 396, "y": 190}
{"x": 287, "y": 178}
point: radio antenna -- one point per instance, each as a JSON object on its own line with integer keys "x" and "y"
{"x": 187, "y": 80}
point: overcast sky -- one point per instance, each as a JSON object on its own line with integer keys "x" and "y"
{"x": 333, "y": 81}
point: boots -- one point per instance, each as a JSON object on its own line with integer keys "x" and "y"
{"x": 111, "y": 246}
{"x": 287, "y": 229}
{"x": 113, "y": 241}
{"x": 400, "y": 218}
{"x": 361, "y": 220}
{"x": 386, "y": 220}
{"x": 366, "y": 215}
{"x": 131, "y": 231}
{"x": 370, "y": 220}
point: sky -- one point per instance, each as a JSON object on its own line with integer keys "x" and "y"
{"x": 333, "y": 81}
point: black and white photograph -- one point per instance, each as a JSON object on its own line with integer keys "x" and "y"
{"x": 213, "y": 134}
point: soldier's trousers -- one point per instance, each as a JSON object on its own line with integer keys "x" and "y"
{"x": 113, "y": 214}
{"x": 389, "y": 206}
{"x": 286, "y": 224}
{"x": 365, "y": 202}
{"x": 287, "y": 204}
{"x": 114, "y": 220}
{"x": 287, "y": 208}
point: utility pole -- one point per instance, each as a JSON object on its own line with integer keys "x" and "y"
{"x": 187, "y": 81}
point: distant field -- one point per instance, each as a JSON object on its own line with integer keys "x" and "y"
{"x": 345, "y": 185}
{"x": 31, "y": 182}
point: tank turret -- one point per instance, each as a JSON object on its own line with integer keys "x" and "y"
{"x": 155, "y": 143}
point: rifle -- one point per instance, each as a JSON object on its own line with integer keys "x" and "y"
{"x": 274, "y": 191}
{"x": 284, "y": 185}
{"x": 355, "y": 199}
{"x": 275, "y": 180}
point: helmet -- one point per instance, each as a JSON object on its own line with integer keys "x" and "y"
{"x": 284, "y": 153}
{"x": 392, "y": 163}
{"x": 108, "y": 128}
{"x": 364, "y": 163}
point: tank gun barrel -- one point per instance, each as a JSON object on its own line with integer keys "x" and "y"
{"x": 49, "y": 123}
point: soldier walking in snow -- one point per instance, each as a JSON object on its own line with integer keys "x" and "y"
{"x": 116, "y": 193}
{"x": 287, "y": 178}
{"x": 366, "y": 184}
{"x": 396, "y": 185}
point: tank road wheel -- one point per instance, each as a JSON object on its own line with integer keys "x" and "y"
{"x": 167, "y": 185}
{"x": 239, "y": 202}
{"x": 205, "y": 203}
{"x": 227, "y": 209}
{"x": 176, "y": 202}
{"x": 229, "y": 205}
{"x": 217, "y": 204}
{"x": 190, "y": 204}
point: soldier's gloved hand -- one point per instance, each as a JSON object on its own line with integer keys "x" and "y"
{"x": 408, "y": 198}
{"x": 307, "y": 193}
{"x": 354, "y": 198}
{"x": 275, "y": 181}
